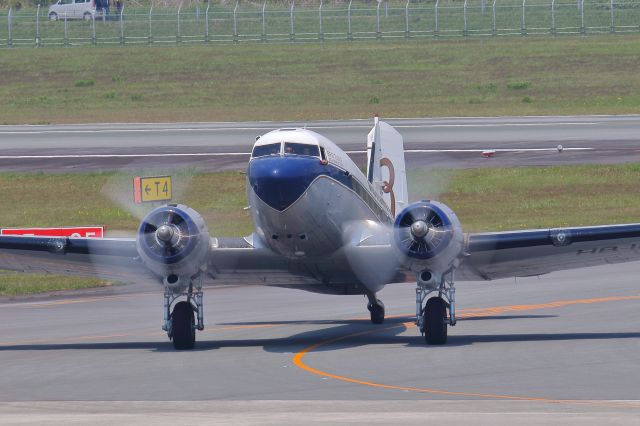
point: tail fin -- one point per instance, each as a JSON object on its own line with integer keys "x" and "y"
{"x": 385, "y": 165}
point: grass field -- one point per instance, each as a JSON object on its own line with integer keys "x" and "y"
{"x": 479, "y": 77}
{"x": 484, "y": 199}
{"x": 487, "y": 199}
{"x": 16, "y": 284}
{"x": 511, "y": 76}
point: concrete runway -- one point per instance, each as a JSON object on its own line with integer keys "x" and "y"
{"x": 449, "y": 142}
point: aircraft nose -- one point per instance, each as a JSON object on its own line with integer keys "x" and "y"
{"x": 280, "y": 180}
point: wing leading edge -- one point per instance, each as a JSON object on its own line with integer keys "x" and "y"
{"x": 540, "y": 251}
{"x": 110, "y": 258}
{"x": 231, "y": 260}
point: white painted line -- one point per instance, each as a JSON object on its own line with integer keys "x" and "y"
{"x": 45, "y": 157}
{"x": 263, "y": 128}
{"x": 409, "y": 126}
{"x": 555, "y": 149}
{"x": 435, "y": 151}
{"x": 223, "y": 154}
{"x": 156, "y": 130}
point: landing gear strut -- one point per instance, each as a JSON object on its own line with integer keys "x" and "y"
{"x": 376, "y": 308}
{"x": 432, "y": 320}
{"x": 180, "y": 324}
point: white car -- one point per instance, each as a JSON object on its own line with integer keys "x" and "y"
{"x": 72, "y": 9}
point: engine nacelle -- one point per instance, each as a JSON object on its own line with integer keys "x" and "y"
{"x": 173, "y": 242}
{"x": 428, "y": 236}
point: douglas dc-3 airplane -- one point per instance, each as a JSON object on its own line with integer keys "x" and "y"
{"x": 321, "y": 225}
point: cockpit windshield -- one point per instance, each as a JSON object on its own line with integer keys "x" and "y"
{"x": 291, "y": 148}
{"x": 263, "y": 150}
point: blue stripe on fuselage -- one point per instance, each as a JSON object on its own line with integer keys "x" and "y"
{"x": 281, "y": 180}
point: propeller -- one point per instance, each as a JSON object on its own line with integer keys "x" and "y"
{"x": 422, "y": 230}
{"x": 168, "y": 234}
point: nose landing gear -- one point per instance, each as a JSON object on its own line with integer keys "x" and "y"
{"x": 183, "y": 326}
{"x": 180, "y": 324}
{"x": 376, "y": 308}
{"x": 432, "y": 320}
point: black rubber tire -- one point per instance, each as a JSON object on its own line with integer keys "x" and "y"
{"x": 435, "y": 325}
{"x": 377, "y": 312}
{"x": 86, "y": 16}
{"x": 53, "y": 16}
{"x": 183, "y": 328}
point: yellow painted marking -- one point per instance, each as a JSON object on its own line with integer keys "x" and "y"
{"x": 468, "y": 313}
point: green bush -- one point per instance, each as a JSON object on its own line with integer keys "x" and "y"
{"x": 85, "y": 83}
{"x": 519, "y": 85}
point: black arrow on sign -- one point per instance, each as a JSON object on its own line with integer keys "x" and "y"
{"x": 147, "y": 189}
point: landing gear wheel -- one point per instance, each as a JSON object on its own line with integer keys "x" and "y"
{"x": 183, "y": 326}
{"x": 377, "y": 312}
{"x": 435, "y": 321}
{"x": 53, "y": 16}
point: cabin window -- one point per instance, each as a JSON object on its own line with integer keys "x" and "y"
{"x": 264, "y": 150}
{"x": 301, "y": 149}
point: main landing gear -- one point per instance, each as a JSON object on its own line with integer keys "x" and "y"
{"x": 432, "y": 320}
{"x": 181, "y": 324}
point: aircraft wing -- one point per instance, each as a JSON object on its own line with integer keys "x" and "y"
{"x": 536, "y": 252}
{"x": 238, "y": 261}
{"x": 231, "y": 260}
{"x": 235, "y": 260}
{"x": 109, "y": 258}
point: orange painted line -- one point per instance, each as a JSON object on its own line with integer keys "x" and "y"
{"x": 485, "y": 312}
{"x": 474, "y": 312}
{"x": 88, "y": 299}
{"x": 76, "y": 339}
{"x": 49, "y": 303}
{"x": 297, "y": 360}
{"x": 244, "y": 327}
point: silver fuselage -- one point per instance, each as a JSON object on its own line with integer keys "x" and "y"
{"x": 302, "y": 207}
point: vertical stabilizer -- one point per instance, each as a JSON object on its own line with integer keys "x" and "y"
{"x": 385, "y": 165}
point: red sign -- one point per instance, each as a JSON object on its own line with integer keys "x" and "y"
{"x": 70, "y": 231}
{"x": 137, "y": 190}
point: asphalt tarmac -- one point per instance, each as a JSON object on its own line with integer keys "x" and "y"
{"x": 441, "y": 142}
{"x": 566, "y": 342}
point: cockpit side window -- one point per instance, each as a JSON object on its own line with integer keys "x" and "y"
{"x": 301, "y": 149}
{"x": 264, "y": 150}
